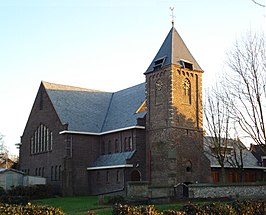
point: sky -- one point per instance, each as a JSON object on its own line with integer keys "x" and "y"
{"x": 106, "y": 45}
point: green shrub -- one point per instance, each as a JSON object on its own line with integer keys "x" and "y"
{"x": 119, "y": 209}
{"x": 22, "y": 195}
{"x": 249, "y": 207}
{"x": 2, "y": 191}
{"x": 173, "y": 212}
{"x": 217, "y": 208}
{"x": 32, "y": 192}
{"x": 18, "y": 200}
{"x": 6, "y": 209}
{"x": 116, "y": 200}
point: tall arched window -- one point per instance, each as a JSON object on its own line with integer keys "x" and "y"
{"x": 158, "y": 92}
{"x": 103, "y": 148}
{"x": 188, "y": 166}
{"x": 186, "y": 91}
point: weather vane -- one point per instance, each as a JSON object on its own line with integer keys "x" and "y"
{"x": 172, "y": 15}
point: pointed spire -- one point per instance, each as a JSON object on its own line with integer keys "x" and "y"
{"x": 173, "y": 51}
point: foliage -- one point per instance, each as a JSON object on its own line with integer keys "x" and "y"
{"x": 235, "y": 208}
{"x": 28, "y": 209}
{"x": 137, "y": 210}
{"x": 22, "y": 195}
{"x": 116, "y": 199}
{"x": 32, "y": 192}
{"x": 249, "y": 207}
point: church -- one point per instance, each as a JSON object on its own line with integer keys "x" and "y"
{"x": 89, "y": 142}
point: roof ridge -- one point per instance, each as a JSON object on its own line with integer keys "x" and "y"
{"x": 109, "y": 105}
{"x": 129, "y": 87}
{"x": 53, "y": 86}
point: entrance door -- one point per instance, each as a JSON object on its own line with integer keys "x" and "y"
{"x": 135, "y": 175}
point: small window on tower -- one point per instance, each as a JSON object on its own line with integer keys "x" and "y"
{"x": 186, "y": 64}
{"x": 158, "y": 63}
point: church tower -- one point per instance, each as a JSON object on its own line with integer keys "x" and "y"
{"x": 174, "y": 118}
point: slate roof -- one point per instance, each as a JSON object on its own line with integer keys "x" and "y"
{"x": 123, "y": 107}
{"x": 249, "y": 161}
{"x": 174, "y": 49}
{"x": 86, "y": 110}
{"x": 115, "y": 159}
{"x": 257, "y": 151}
{"x": 2, "y": 170}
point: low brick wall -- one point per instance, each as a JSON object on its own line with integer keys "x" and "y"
{"x": 138, "y": 189}
{"x": 227, "y": 190}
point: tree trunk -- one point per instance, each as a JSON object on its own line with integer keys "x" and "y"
{"x": 223, "y": 175}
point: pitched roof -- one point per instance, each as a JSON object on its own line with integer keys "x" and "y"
{"x": 249, "y": 161}
{"x": 83, "y": 110}
{"x": 123, "y": 107}
{"x": 114, "y": 160}
{"x": 2, "y": 170}
{"x": 258, "y": 151}
{"x": 86, "y": 110}
{"x": 173, "y": 50}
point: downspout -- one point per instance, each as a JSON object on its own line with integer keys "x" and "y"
{"x": 149, "y": 166}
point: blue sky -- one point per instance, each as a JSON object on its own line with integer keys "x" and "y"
{"x": 106, "y": 45}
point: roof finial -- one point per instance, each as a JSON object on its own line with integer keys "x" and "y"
{"x": 172, "y": 15}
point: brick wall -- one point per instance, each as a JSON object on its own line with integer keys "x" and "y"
{"x": 43, "y": 162}
{"x": 174, "y": 128}
{"x": 228, "y": 190}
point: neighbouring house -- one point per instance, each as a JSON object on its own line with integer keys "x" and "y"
{"x": 259, "y": 151}
{"x": 10, "y": 178}
{"x": 240, "y": 164}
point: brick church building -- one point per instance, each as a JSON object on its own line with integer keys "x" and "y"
{"x": 88, "y": 142}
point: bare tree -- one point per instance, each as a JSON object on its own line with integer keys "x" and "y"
{"x": 257, "y": 3}
{"x": 3, "y": 153}
{"x": 235, "y": 159}
{"x": 217, "y": 128}
{"x": 245, "y": 87}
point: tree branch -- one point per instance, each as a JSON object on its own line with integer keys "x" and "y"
{"x": 262, "y": 5}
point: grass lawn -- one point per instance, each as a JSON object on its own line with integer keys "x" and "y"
{"x": 81, "y": 205}
{"x": 76, "y": 205}
{"x": 176, "y": 206}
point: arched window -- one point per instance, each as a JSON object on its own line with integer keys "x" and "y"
{"x": 116, "y": 145}
{"x": 41, "y": 140}
{"x": 186, "y": 91}
{"x": 107, "y": 177}
{"x": 109, "y": 147}
{"x": 55, "y": 173}
{"x": 118, "y": 178}
{"x": 103, "y": 148}
{"x": 188, "y": 166}
{"x": 59, "y": 173}
{"x": 52, "y": 173}
{"x": 158, "y": 92}
{"x": 130, "y": 145}
{"x": 125, "y": 144}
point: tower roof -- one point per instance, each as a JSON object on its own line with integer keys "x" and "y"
{"x": 173, "y": 51}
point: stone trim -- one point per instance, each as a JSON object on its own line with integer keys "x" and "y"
{"x": 101, "y": 133}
